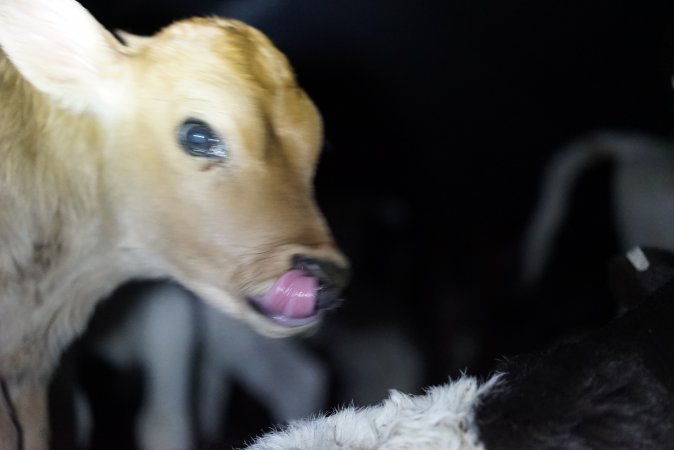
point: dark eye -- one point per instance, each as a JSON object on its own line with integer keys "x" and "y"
{"x": 198, "y": 139}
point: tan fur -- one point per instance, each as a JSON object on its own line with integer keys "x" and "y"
{"x": 95, "y": 192}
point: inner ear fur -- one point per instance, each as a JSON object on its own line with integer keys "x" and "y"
{"x": 58, "y": 47}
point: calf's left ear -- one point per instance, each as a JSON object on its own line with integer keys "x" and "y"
{"x": 58, "y": 47}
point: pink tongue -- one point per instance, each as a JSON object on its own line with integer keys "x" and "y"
{"x": 292, "y": 296}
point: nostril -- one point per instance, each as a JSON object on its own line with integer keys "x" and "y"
{"x": 327, "y": 272}
{"x": 309, "y": 265}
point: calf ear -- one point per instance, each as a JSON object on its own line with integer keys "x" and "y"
{"x": 61, "y": 50}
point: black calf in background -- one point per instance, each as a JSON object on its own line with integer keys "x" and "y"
{"x": 611, "y": 390}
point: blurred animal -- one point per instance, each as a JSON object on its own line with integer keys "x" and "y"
{"x": 186, "y": 155}
{"x": 188, "y": 369}
{"x": 642, "y": 194}
{"x": 189, "y": 354}
{"x": 611, "y": 390}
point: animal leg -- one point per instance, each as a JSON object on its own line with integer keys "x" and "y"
{"x": 23, "y": 416}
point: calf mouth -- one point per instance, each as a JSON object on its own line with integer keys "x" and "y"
{"x": 300, "y": 296}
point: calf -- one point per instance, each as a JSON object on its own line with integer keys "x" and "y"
{"x": 189, "y": 155}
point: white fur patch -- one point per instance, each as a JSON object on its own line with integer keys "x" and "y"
{"x": 443, "y": 418}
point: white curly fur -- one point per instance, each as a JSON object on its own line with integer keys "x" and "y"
{"x": 443, "y": 418}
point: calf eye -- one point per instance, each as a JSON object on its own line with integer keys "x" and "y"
{"x": 197, "y": 138}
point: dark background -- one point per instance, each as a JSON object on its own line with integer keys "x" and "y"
{"x": 440, "y": 117}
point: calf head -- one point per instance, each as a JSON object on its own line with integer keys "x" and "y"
{"x": 205, "y": 148}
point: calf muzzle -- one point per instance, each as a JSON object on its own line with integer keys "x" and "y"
{"x": 332, "y": 279}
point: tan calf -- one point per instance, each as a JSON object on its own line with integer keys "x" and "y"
{"x": 188, "y": 155}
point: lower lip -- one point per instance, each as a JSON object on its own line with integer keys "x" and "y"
{"x": 292, "y": 322}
